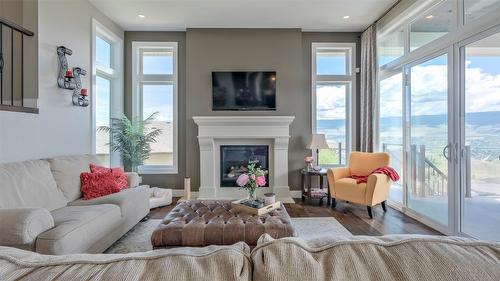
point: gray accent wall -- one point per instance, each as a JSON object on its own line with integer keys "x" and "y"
{"x": 201, "y": 51}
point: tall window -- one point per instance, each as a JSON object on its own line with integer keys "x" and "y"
{"x": 155, "y": 94}
{"x": 107, "y": 89}
{"x": 333, "y": 82}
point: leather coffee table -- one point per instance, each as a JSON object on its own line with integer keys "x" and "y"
{"x": 203, "y": 223}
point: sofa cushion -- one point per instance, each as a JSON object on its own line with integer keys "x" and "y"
{"x": 131, "y": 201}
{"x": 397, "y": 257}
{"x": 349, "y": 190}
{"x": 118, "y": 173}
{"x": 95, "y": 185}
{"x": 231, "y": 263}
{"x": 29, "y": 184}
{"x": 363, "y": 163}
{"x": 77, "y": 228}
{"x": 67, "y": 170}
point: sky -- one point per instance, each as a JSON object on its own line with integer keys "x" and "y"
{"x": 429, "y": 87}
{"x": 156, "y": 98}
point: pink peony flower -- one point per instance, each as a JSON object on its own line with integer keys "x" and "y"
{"x": 242, "y": 180}
{"x": 252, "y": 176}
{"x": 260, "y": 181}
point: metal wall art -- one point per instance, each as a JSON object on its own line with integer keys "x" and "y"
{"x": 69, "y": 79}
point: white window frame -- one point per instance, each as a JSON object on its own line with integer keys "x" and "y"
{"x": 349, "y": 79}
{"x": 138, "y": 79}
{"x": 114, "y": 74}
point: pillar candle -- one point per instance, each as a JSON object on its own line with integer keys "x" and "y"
{"x": 187, "y": 188}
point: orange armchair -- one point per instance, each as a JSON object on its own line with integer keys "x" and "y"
{"x": 369, "y": 194}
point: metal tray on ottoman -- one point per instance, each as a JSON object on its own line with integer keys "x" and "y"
{"x": 203, "y": 223}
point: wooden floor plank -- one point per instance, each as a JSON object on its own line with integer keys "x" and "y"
{"x": 353, "y": 217}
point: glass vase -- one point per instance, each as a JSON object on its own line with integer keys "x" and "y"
{"x": 251, "y": 194}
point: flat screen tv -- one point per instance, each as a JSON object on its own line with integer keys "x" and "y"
{"x": 244, "y": 90}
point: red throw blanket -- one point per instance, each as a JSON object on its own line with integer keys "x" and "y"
{"x": 390, "y": 172}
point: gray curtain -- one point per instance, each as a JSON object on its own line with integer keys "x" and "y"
{"x": 369, "y": 100}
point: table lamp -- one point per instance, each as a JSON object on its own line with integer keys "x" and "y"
{"x": 318, "y": 141}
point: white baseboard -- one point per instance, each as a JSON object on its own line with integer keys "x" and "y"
{"x": 296, "y": 193}
{"x": 180, "y": 193}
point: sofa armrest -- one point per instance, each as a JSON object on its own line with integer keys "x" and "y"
{"x": 377, "y": 189}
{"x": 21, "y": 227}
{"x": 133, "y": 179}
{"x": 335, "y": 174}
{"x": 338, "y": 173}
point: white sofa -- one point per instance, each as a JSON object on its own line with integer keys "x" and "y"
{"x": 383, "y": 258}
{"x": 41, "y": 207}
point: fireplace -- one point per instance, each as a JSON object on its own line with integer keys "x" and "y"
{"x": 234, "y": 160}
{"x": 215, "y": 132}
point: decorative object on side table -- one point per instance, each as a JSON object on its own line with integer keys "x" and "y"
{"x": 70, "y": 79}
{"x": 309, "y": 161}
{"x": 133, "y": 139}
{"x": 318, "y": 141}
{"x": 251, "y": 180}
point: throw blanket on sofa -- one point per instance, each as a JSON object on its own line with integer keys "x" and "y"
{"x": 390, "y": 172}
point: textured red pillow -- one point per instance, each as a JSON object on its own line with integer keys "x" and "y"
{"x": 119, "y": 174}
{"x": 95, "y": 185}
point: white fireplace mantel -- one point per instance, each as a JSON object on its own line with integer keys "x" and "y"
{"x": 214, "y": 131}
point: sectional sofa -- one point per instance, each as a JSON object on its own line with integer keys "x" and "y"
{"x": 41, "y": 208}
{"x": 292, "y": 259}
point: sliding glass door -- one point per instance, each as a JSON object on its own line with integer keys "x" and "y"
{"x": 480, "y": 169}
{"x": 428, "y": 149}
{"x": 391, "y": 129}
{"x": 439, "y": 114}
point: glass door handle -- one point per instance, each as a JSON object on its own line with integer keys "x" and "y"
{"x": 446, "y": 152}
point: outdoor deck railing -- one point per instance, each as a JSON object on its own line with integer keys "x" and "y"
{"x": 425, "y": 178}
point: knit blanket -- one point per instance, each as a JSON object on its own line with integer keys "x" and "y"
{"x": 386, "y": 170}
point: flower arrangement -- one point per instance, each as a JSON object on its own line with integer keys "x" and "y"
{"x": 251, "y": 180}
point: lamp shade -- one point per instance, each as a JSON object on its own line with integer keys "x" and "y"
{"x": 318, "y": 141}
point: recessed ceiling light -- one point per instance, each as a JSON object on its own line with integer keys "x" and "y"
{"x": 141, "y": 16}
{"x": 429, "y": 17}
{"x": 346, "y": 17}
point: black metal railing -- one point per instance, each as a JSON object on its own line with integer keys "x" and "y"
{"x": 7, "y": 100}
{"x": 426, "y": 179}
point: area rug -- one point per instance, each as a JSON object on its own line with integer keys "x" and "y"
{"x": 138, "y": 238}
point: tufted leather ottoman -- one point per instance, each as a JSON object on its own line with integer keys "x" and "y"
{"x": 202, "y": 223}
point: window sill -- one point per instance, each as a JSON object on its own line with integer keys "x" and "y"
{"x": 157, "y": 170}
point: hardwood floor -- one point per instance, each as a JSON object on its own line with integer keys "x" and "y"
{"x": 353, "y": 217}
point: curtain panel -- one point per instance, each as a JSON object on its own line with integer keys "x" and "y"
{"x": 369, "y": 101}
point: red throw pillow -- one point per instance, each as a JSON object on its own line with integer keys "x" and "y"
{"x": 119, "y": 174}
{"x": 95, "y": 185}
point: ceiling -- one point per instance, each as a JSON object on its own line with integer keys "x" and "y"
{"x": 309, "y": 15}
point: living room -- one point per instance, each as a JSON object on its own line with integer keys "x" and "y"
{"x": 249, "y": 140}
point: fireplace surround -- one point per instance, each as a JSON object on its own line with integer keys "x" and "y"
{"x": 217, "y": 131}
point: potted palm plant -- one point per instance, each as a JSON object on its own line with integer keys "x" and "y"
{"x": 132, "y": 139}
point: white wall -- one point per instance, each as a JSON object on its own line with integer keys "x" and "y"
{"x": 60, "y": 128}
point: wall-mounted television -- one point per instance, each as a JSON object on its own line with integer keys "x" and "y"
{"x": 244, "y": 90}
